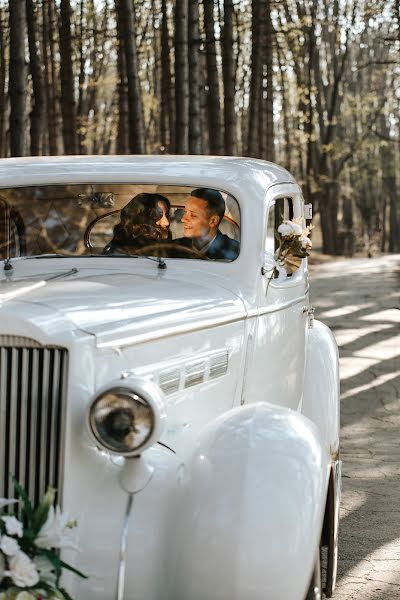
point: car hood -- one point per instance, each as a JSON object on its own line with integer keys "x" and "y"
{"x": 121, "y": 308}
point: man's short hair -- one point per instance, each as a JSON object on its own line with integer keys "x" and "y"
{"x": 214, "y": 199}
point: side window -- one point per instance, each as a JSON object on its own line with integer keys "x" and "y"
{"x": 280, "y": 209}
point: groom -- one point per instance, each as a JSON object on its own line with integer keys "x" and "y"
{"x": 204, "y": 211}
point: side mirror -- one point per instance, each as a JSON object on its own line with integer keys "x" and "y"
{"x": 269, "y": 263}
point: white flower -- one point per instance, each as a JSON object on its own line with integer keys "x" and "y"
{"x": 22, "y": 570}
{"x": 5, "y": 502}
{"x": 55, "y": 533}
{"x": 25, "y": 596}
{"x": 285, "y": 229}
{"x": 13, "y": 526}
{"x": 45, "y": 569}
{"x": 290, "y": 228}
{"x": 306, "y": 242}
{"x": 297, "y": 229}
{"x": 9, "y": 546}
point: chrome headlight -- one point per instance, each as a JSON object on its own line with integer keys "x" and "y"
{"x": 127, "y": 419}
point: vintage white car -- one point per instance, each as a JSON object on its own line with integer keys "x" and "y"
{"x": 185, "y": 404}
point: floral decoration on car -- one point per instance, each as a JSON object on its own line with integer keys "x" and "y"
{"x": 30, "y": 566}
{"x": 294, "y": 242}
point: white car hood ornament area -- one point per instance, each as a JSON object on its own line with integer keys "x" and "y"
{"x": 11, "y": 289}
{"x": 122, "y": 309}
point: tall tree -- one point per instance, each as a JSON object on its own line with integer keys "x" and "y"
{"x": 390, "y": 186}
{"x": 215, "y": 127}
{"x": 181, "y": 77}
{"x": 3, "y": 76}
{"x": 35, "y": 65}
{"x": 195, "y": 145}
{"x": 137, "y": 143}
{"x": 269, "y": 71}
{"x": 50, "y": 77}
{"x": 167, "y": 109}
{"x": 253, "y": 140}
{"x": 17, "y": 77}
{"x": 68, "y": 103}
{"x": 228, "y": 71}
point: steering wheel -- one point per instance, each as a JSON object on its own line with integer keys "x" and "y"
{"x": 154, "y": 249}
{"x": 88, "y": 230}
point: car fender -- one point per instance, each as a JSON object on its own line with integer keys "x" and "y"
{"x": 251, "y": 508}
{"x": 321, "y": 393}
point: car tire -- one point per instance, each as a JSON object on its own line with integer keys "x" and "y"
{"x": 315, "y": 589}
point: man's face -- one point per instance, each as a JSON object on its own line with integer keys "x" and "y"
{"x": 196, "y": 219}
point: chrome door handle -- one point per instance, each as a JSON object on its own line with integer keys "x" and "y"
{"x": 309, "y": 310}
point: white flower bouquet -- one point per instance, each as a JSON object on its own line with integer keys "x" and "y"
{"x": 30, "y": 566}
{"x": 294, "y": 242}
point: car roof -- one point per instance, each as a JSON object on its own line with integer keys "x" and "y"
{"x": 230, "y": 174}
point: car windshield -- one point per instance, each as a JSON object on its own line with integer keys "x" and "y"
{"x": 119, "y": 220}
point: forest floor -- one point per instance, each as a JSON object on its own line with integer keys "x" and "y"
{"x": 359, "y": 299}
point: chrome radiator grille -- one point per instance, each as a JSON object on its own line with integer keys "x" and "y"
{"x": 32, "y": 392}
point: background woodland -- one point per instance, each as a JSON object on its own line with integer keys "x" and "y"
{"x": 312, "y": 85}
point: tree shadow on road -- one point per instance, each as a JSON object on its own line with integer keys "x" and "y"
{"x": 360, "y": 302}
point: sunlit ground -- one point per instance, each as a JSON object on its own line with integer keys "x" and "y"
{"x": 360, "y": 301}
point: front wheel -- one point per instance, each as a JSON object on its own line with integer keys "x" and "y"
{"x": 315, "y": 589}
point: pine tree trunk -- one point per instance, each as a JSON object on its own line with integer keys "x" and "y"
{"x": 181, "y": 77}
{"x": 253, "y": 132}
{"x": 390, "y": 187}
{"x": 285, "y": 113}
{"x": 122, "y": 127}
{"x": 269, "y": 108}
{"x": 68, "y": 104}
{"x": 35, "y": 65}
{"x": 17, "y": 77}
{"x": 215, "y": 128}
{"x": 195, "y": 145}
{"x": 49, "y": 78}
{"x": 3, "y": 75}
{"x": 167, "y": 111}
{"x": 135, "y": 111}
{"x": 82, "y": 80}
{"x": 228, "y": 73}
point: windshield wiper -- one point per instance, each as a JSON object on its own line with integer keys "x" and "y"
{"x": 161, "y": 262}
{"x": 50, "y": 255}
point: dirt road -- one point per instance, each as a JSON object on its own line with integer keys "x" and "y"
{"x": 360, "y": 300}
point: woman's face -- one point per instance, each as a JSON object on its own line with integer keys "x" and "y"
{"x": 163, "y": 222}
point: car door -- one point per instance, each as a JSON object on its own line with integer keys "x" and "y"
{"x": 277, "y": 353}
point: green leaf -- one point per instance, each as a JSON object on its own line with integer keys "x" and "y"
{"x": 26, "y": 503}
{"x": 65, "y": 594}
{"x": 42, "y": 511}
{"x": 69, "y": 568}
{"x": 60, "y": 564}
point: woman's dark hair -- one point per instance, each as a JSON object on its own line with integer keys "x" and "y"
{"x": 139, "y": 218}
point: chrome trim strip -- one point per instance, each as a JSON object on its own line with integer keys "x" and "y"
{"x": 45, "y": 450}
{"x": 142, "y": 338}
{"x": 249, "y": 350}
{"x": 34, "y": 409}
{"x": 266, "y": 310}
{"x": 172, "y": 331}
{"x": 3, "y": 410}
{"x": 24, "y": 414}
{"x": 13, "y": 440}
{"x": 61, "y": 421}
{"x": 54, "y": 416}
{"x": 123, "y": 547}
{"x": 17, "y": 341}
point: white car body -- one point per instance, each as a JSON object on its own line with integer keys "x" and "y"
{"x": 237, "y": 510}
